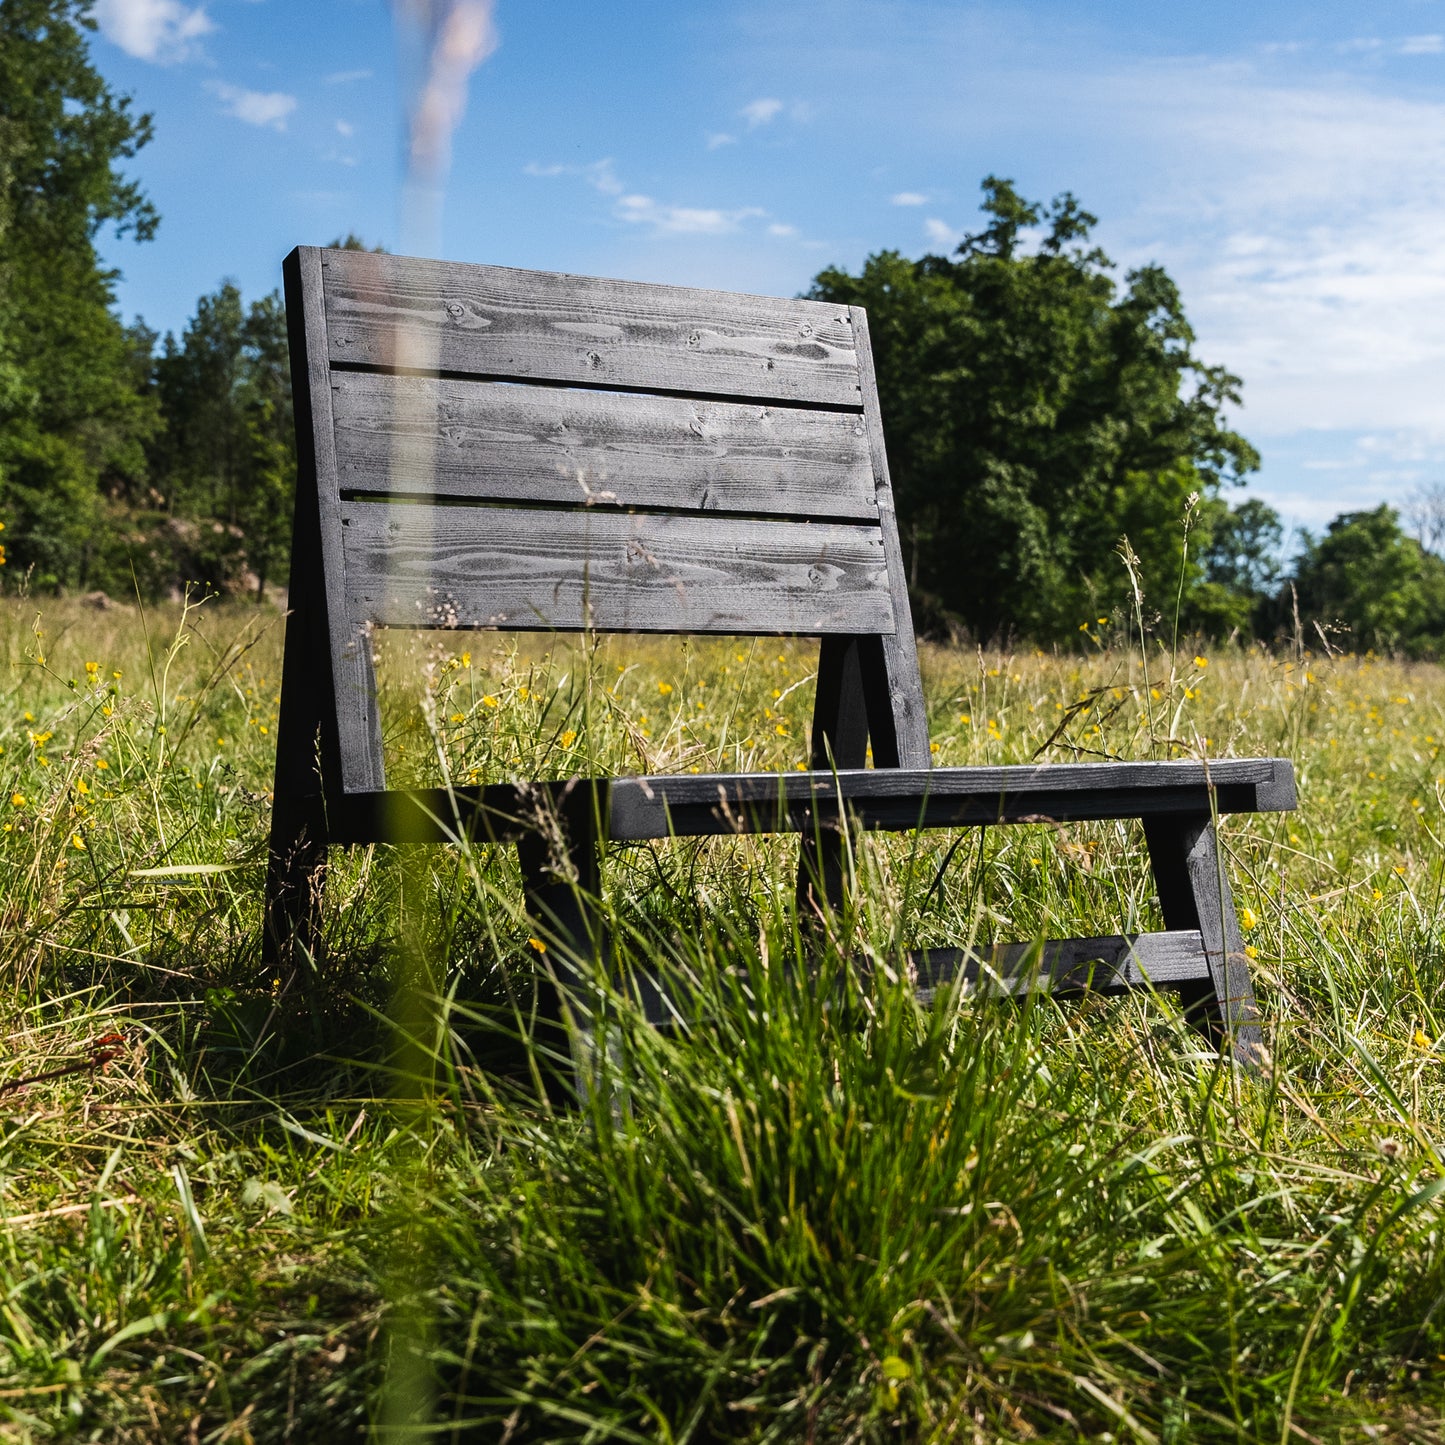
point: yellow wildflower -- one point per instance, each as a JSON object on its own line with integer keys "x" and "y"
{"x": 17, "y": 800}
{"x": 538, "y": 944}
{"x": 1422, "y": 1040}
{"x": 1247, "y": 919}
{"x": 568, "y": 738}
{"x": 489, "y": 701}
{"x": 664, "y": 688}
{"x": 77, "y": 842}
{"x": 1201, "y": 661}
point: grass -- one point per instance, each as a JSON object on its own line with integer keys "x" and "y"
{"x": 242, "y": 1210}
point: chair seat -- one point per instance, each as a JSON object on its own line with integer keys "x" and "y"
{"x": 891, "y": 799}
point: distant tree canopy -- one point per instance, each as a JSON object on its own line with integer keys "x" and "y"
{"x": 1373, "y": 586}
{"x": 75, "y": 414}
{"x": 1035, "y": 414}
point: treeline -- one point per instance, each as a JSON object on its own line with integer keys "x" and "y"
{"x": 1039, "y": 413}
{"x": 1054, "y": 439}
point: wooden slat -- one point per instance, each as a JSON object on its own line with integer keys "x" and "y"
{"x": 1099, "y": 965}
{"x": 493, "y": 321}
{"x": 502, "y": 442}
{"x": 899, "y": 799}
{"x": 684, "y": 805}
{"x": 529, "y": 569}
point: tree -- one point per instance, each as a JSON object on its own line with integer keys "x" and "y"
{"x": 1035, "y": 415}
{"x": 225, "y": 461}
{"x": 1367, "y": 576}
{"x": 74, "y": 413}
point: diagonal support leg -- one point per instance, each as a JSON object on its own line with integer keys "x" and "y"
{"x": 1194, "y": 893}
{"x": 562, "y": 880}
{"x": 846, "y": 667}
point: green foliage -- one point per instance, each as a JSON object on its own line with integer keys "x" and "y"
{"x": 1035, "y": 414}
{"x": 1367, "y": 577}
{"x": 73, "y": 414}
{"x": 225, "y": 464}
{"x": 813, "y": 1209}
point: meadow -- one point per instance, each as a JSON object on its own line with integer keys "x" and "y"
{"x": 241, "y": 1207}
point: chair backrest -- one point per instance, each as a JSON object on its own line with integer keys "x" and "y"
{"x": 482, "y": 447}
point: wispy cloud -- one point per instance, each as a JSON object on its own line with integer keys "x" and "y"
{"x": 668, "y": 220}
{"x": 346, "y": 77}
{"x": 345, "y": 127}
{"x": 163, "y": 31}
{"x": 662, "y": 218}
{"x": 719, "y": 138}
{"x": 761, "y": 112}
{"x": 908, "y": 198}
{"x": 255, "y": 107}
{"x": 1378, "y": 45}
{"x": 941, "y": 234}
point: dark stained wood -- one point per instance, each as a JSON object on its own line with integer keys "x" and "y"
{"x": 893, "y": 683}
{"x": 497, "y": 441}
{"x": 599, "y": 454}
{"x": 1071, "y": 965}
{"x": 1194, "y": 893}
{"x": 431, "y": 566}
{"x": 903, "y": 799}
{"x": 498, "y": 322}
{"x": 688, "y": 805}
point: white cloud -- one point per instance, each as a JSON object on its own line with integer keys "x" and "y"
{"x": 682, "y": 220}
{"x": 941, "y": 234}
{"x": 1422, "y": 45}
{"x": 255, "y": 107}
{"x": 720, "y": 138}
{"x": 780, "y": 228}
{"x": 908, "y": 198}
{"x": 345, "y": 77}
{"x": 761, "y": 112}
{"x": 160, "y": 30}
{"x": 345, "y": 127}
{"x": 1307, "y": 233}
{"x": 600, "y": 175}
{"x": 640, "y": 210}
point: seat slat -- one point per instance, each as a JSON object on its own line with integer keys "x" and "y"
{"x": 394, "y": 311}
{"x": 503, "y": 442}
{"x": 419, "y": 565}
{"x": 1106, "y": 965}
{"x": 901, "y": 799}
{"x": 883, "y": 798}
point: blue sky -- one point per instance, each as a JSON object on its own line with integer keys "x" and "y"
{"x": 1283, "y": 162}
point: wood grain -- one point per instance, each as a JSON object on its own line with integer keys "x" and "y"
{"x": 898, "y": 799}
{"x": 687, "y": 805}
{"x": 502, "y": 442}
{"x": 390, "y": 311}
{"x": 1095, "y": 965}
{"x": 432, "y": 566}
{"x": 899, "y": 691}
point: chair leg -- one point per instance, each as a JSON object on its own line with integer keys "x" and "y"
{"x": 295, "y": 885}
{"x": 846, "y": 670}
{"x": 1194, "y": 894}
{"x": 562, "y": 882}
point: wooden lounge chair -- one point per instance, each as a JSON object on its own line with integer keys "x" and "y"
{"x": 489, "y": 448}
